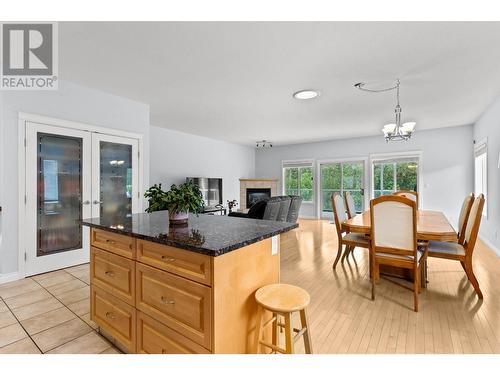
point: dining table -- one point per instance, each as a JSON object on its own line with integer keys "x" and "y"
{"x": 431, "y": 226}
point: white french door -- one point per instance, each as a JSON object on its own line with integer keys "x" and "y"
{"x": 58, "y": 193}
{"x": 115, "y": 177}
{"x": 73, "y": 175}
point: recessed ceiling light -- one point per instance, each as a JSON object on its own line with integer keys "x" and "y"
{"x": 306, "y": 94}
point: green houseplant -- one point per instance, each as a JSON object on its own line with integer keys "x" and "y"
{"x": 179, "y": 201}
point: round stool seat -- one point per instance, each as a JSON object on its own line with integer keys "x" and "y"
{"x": 282, "y": 298}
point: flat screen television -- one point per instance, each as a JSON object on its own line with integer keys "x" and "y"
{"x": 211, "y": 188}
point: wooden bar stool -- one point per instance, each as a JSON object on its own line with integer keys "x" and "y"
{"x": 282, "y": 300}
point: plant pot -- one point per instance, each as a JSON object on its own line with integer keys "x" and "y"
{"x": 178, "y": 218}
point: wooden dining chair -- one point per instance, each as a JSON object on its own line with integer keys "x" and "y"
{"x": 464, "y": 217}
{"x": 410, "y": 194}
{"x": 394, "y": 238}
{"x": 463, "y": 251}
{"x": 350, "y": 240}
{"x": 349, "y": 204}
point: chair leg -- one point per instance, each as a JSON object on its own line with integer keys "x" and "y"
{"x": 258, "y": 329}
{"x": 346, "y": 252}
{"x": 467, "y": 265}
{"x": 416, "y": 289}
{"x": 288, "y": 334}
{"x": 275, "y": 330}
{"x": 373, "y": 276}
{"x": 304, "y": 321}
{"x": 339, "y": 253}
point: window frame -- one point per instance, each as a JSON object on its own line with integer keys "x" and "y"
{"x": 480, "y": 149}
{"x": 288, "y": 164}
{"x": 394, "y": 156}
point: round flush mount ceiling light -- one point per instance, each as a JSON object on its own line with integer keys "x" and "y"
{"x": 306, "y": 94}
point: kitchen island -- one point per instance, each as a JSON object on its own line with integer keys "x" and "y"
{"x": 161, "y": 289}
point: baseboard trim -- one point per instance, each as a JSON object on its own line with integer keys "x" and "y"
{"x": 488, "y": 243}
{"x": 308, "y": 217}
{"x": 8, "y": 277}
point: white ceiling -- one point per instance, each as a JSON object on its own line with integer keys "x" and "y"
{"x": 234, "y": 81}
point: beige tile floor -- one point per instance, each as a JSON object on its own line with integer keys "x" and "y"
{"x": 50, "y": 313}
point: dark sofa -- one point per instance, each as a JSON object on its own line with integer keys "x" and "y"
{"x": 281, "y": 208}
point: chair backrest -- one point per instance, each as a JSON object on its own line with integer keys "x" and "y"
{"x": 284, "y": 208}
{"x": 258, "y": 208}
{"x": 293, "y": 212}
{"x": 272, "y": 209}
{"x": 464, "y": 216}
{"x": 410, "y": 194}
{"x": 473, "y": 224}
{"x": 339, "y": 214}
{"x": 350, "y": 205}
{"x": 394, "y": 225}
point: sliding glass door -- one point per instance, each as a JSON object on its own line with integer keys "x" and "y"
{"x": 338, "y": 177}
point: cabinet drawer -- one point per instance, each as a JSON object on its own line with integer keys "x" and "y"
{"x": 183, "y": 305}
{"x": 113, "y": 273}
{"x": 184, "y": 263}
{"x": 115, "y": 243}
{"x": 114, "y": 316}
{"x": 156, "y": 338}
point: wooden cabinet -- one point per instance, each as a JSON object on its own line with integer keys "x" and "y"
{"x": 153, "y": 298}
{"x": 184, "y": 263}
{"x": 113, "y": 242}
{"x": 115, "y": 316}
{"x": 180, "y": 304}
{"x": 156, "y": 338}
{"x": 114, "y": 274}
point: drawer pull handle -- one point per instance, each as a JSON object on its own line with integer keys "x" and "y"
{"x": 110, "y": 315}
{"x": 166, "y": 301}
{"x": 109, "y": 273}
{"x": 111, "y": 241}
{"x": 167, "y": 259}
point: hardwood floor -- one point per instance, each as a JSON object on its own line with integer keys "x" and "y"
{"x": 344, "y": 319}
{"x": 49, "y": 312}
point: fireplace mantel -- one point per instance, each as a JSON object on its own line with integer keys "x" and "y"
{"x": 256, "y": 183}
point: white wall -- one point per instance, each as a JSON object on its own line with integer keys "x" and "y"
{"x": 70, "y": 102}
{"x": 447, "y": 163}
{"x": 488, "y": 126}
{"x": 175, "y": 156}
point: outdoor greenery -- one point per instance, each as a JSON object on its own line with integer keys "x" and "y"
{"x": 405, "y": 174}
{"x": 186, "y": 197}
{"x": 299, "y": 181}
{"x": 339, "y": 177}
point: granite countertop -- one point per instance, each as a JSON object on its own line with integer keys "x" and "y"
{"x": 213, "y": 235}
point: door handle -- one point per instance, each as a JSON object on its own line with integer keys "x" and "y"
{"x": 97, "y": 202}
{"x": 86, "y": 202}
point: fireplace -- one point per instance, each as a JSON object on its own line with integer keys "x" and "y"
{"x": 256, "y": 194}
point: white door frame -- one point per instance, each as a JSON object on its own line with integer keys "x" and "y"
{"x": 23, "y": 118}
{"x": 366, "y": 178}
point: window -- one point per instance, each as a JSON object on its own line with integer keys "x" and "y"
{"x": 481, "y": 173}
{"x": 339, "y": 177}
{"x": 394, "y": 174}
{"x": 298, "y": 180}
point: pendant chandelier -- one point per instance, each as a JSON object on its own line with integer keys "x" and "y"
{"x": 393, "y": 131}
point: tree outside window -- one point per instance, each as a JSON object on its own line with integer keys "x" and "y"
{"x": 299, "y": 181}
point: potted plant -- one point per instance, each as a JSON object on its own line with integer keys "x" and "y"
{"x": 179, "y": 201}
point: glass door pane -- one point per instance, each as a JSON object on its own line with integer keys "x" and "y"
{"x": 59, "y": 208}
{"x": 115, "y": 179}
{"x": 352, "y": 181}
{"x": 339, "y": 177}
